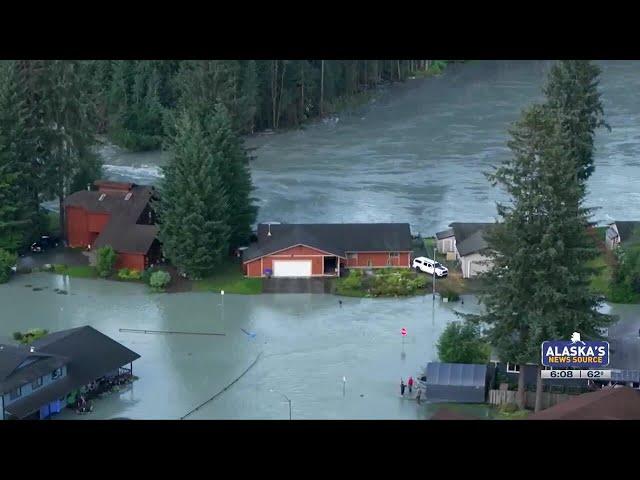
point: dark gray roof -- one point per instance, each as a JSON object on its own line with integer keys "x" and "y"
{"x": 470, "y": 237}
{"x": 122, "y": 231}
{"x": 88, "y": 355}
{"x": 14, "y": 374}
{"x": 127, "y": 238}
{"x": 456, "y": 374}
{"x": 445, "y": 234}
{"x": 334, "y": 238}
{"x": 626, "y": 228}
{"x": 31, "y": 403}
{"x": 92, "y": 354}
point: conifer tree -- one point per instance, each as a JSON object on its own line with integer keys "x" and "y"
{"x": 18, "y": 210}
{"x": 234, "y": 173}
{"x": 193, "y": 207}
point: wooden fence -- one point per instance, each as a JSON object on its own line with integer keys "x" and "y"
{"x": 498, "y": 397}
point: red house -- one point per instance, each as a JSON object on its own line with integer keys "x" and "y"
{"x": 322, "y": 250}
{"x": 117, "y": 214}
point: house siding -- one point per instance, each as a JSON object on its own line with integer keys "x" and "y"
{"x": 446, "y": 245}
{"x": 27, "y": 389}
{"x": 257, "y": 266}
{"x": 96, "y": 222}
{"x": 471, "y": 264}
{"x": 135, "y": 261}
{"x": 77, "y": 227}
{"x": 378, "y": 260}
{"x": 611, "y": 238}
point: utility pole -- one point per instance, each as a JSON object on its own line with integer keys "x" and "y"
{"x": 434, "y": 273}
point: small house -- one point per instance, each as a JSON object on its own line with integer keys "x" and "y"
{"x": 456, "y": 382}
{"x": 36, "y": 379}
{"x": 326, "y": 249}
{"x": 119, "y": 215}
{"x": 621, "y": 233}
{"x": 471, "y": 247}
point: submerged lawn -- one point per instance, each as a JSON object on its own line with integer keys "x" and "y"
{"x": 77, "y": 271}
{"x": 229, "y": 277}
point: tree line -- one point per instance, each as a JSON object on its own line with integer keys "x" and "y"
{"x": 53, "y": 113}
{"x": 133, "y": 96}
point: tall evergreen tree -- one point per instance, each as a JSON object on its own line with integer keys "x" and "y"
{"x": 538, "y": 286}
{"x": 19, "y": 213}
{"x": 60, "y": 116}
{"x": 572, "y": 90}
{"x": 193, "y": 207}
{"x": 227, "y": 145}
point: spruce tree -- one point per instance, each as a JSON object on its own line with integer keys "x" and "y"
{"x": 572, "y": 90}
{"x": 18, "y": 211}
{"x": 234, "y": 173}
{"x": 538, "y": 285}
{"x": 193, "y": 207}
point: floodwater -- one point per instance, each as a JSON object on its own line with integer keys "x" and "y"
{"x": 418, "y": 153}
{"x": 306, "y": 344}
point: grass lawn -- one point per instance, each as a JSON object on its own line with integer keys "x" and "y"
{"x": 80, "y": 271}
{"x": 229, "y": 277}
{"x": 519, "y": 414}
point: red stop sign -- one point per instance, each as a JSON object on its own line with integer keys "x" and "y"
{"x": 403, "y": 332}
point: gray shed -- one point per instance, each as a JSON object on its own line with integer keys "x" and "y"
{"x": 456, "y": 382}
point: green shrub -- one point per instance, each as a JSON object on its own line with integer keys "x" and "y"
{"x": 17, "y": 336}
{"x": 7, "y": 261}
{"x": 106, "y": 260}
{"x": 508, "y": 408}
{"x": 135, "y": 274}
{"x": 126, "y": 274}
{"x": 463, "y": 343}
{"x": 159, "y": 280}
{"x": 353, "y": 281}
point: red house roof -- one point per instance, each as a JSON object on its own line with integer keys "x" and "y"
{"x": 124, "y": 206}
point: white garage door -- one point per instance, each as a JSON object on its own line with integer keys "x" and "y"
{"x": 292, "y": 268}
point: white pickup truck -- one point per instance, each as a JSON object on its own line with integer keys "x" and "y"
{"x": 426, "y": 265}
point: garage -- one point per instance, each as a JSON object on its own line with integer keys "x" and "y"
{"x": 292, "y": 268}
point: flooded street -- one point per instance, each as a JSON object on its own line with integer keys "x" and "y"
{"x": 414, "y": 155}
{"x": 308, "y": 343}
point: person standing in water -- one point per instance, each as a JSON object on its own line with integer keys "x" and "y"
{"x": 418, "y": 395}
{"x": 410, "y": 383}
{"x": 402, "y": 387}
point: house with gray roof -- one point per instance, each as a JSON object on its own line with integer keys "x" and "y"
{"x": 622, "y": 233}
{"x": 36, "y": 379}
{"x": 468, "y": 242}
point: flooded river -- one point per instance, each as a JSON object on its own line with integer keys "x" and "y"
{"x": 415, "y": 155}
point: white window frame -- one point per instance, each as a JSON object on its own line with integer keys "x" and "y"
{"x": 394, "y": 254}
{"x": 513, "y": 370}
{"x": 57, "y": 373}
{"x": 352, "y": 255}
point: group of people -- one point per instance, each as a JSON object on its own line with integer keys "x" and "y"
{"x": 83, "y": 406}
{"x": 410, "y": 384}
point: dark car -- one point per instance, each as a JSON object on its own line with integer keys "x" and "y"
{"x": 46, "y": 242}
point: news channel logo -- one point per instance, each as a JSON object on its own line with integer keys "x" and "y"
{"x": 575, "y": 353}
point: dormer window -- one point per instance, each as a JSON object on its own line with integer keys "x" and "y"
{"x": 102, "y": 197}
